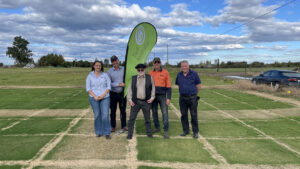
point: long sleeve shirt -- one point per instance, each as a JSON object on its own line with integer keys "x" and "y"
{"x": 141, "y": 91}
{"x": 116, "y": 77}
{"x": 99, "y": 84}
{"x": 162, "y": 82}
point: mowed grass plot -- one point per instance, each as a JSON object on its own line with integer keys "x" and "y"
{"x": 38, "y": 125}
{"x": 44, "y": 76}
{"x": 56, "y": 98}
{"x": 87, "y": 147}
{"x": 21, "y": 147}
{"x": 172, "y": 150}
{"x": 11, "y": 167}
{"x": 231, "y": 100}
{"x": 6, "y": 122}
{"x": 260, "y": 151}
{"x": 278, "y": 128}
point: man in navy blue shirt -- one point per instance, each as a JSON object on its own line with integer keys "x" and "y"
{"x": 189, "y": 85}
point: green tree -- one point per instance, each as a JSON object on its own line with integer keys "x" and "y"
{"x": 51, "y": 60}
{"x": 20, "y": 52}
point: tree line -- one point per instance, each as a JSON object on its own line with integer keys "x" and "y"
{"x": 22, "y": 56}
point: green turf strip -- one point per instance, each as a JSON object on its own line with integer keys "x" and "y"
{"x": 5, "y": 122}
{"x": 254, "y": 152}
{"x": 21, "y": 147}
{"x": 225, "y": 129}
{"x": 159, "y": 149}
{"x": 293, "y": 143}
{"x": 11, "y": 167}
{"x": 148, "y": 167}
{"x": 39, "y": 125}
{"x": 43, "y": 98}
{"x": 278, "y": 128}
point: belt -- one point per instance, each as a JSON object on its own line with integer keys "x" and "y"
{"x": 188, "y": 95}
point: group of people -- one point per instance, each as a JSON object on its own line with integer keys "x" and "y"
{"x": 146, "y": 92}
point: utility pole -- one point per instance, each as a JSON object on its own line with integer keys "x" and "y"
{"x": 167, "y": 56}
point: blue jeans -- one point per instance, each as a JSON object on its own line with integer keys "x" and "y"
{"x": 161, "y": 99}
{"x": 101, "y": 115}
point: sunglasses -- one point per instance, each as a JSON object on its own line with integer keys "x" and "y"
{"x": 140, "y": 70}
{"x": 157, "y": 62}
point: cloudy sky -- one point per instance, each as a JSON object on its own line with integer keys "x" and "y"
{"x": 195, "y": 30}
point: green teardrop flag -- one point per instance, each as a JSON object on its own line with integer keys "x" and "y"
{"x": 140, "y": 43}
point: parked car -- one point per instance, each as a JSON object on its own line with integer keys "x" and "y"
{"x": 278, "y": 78}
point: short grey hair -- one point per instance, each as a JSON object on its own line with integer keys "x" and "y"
{"x": 184, "y": 61}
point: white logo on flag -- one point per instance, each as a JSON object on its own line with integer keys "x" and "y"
{"x": 140, "y": 35}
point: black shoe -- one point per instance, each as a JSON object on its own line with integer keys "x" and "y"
{"x": 184, "y": 134}
{"x": 129, "y": 137}
{"x": 150, "y": 136}
{"x": 98, "y": 135}
{"x": 108, "y": 137}
{"x": 196, "y": 135}
{"x": 157, "y": 130}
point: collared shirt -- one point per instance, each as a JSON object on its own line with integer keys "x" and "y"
{"x": 188, "y": 84}
{"x": 116, "y": 77}
{"x": 140, "y": 85}
{"x": 99, "y": 84}
{"x": 162, "y": 82}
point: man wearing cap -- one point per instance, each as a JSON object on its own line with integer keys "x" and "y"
{"x": 140, "y": 94}
{"x": 116, "y": 75}
{"x": 162, "y": 95}
{"x": 189, "y": 85}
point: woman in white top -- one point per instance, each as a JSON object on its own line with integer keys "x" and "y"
{"x": 98, "y": 86}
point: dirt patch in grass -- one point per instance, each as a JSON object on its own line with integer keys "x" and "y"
{"x": 61, "y": 112}
{"x": 73, "y": 167}
{"x": 254, "y": 114}
{"x": 76, "y": 148}
{"x": 16, "y": 112}
{"x": 210, "y": 115}
{"x": 293, "y": 112}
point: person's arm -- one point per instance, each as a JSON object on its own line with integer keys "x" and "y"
{"x": 113, "y": 84}
{"x": 88, "y": 87}
{"x": 152, "y": 91}
{"x": 129, "y": 95}
{"x": 169, "y": 89}
{"x": 198, "y": 87}
{"x": 108, "y": 87}
{"x": 198, "y": 83}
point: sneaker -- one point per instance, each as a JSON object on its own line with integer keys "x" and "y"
{"x": 98, "y": 135}
{"x": 196, "y": 135}
{"x": 113, "y": 129}
{"x": 108, "y": 137}
{"x": 150, "y": 136}
{"x": 166, "y": 135}
{"x": 125, "y": 128}
{"x": 156, "y": 130}
{"x": 129, "y": 137}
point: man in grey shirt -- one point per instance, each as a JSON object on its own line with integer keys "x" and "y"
{"x": 116, "y": 75}
{"x": 140, "y": 94}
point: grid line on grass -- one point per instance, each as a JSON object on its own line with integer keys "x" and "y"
{"x": 53, "y": 142}
{"x": 210, "y": 148}
{"x": 256, "y": 129}
{"x": 23, "y": 119}
{"x": 263, "y": 110}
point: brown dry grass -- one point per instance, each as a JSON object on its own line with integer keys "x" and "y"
{"x": 80, "y": 148}
{"x": 290, "y": 92}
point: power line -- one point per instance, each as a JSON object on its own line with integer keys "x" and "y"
{"x": 251, "y": 20}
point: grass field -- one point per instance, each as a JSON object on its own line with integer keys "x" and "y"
{"x": 52, "y": 128}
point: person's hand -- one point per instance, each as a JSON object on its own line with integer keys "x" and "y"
{"x": 167, "y": 102}
{"x": 121, "y": 84}
{"x": 96, "y": 98}
{"x": 149, "y": 101}
{"x": 101, "y": 97}
{"x": 131, "y": 103}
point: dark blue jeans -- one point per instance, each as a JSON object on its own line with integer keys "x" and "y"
{"x": 189, "y": 103}
{"x": 161, "y": 100}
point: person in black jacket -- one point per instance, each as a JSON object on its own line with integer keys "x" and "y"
{"x": 140, "y": 94}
